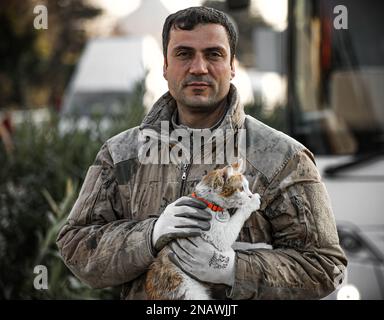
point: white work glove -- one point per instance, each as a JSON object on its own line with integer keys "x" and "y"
{"x": 202, "y": 261}
{"x": 183, "y": 218}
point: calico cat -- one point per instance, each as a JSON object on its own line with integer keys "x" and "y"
{"x": 223, "y": 189}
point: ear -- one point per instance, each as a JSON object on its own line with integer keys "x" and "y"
{"x": 239, "y": 166}
{"x": 227, "y": 172}
{"x": 233, "y": 68}
{"x": 165, "y": 66}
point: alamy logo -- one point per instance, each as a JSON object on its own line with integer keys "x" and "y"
{"x": 41, "y": 280}
{"x": 341, "y": 20}
{"x": 182, "y": 146}
{"x": 41, "y": 20}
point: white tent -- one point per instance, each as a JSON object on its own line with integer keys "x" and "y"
{"x": 114, "y": 65}
{"x": 110, "y": 64}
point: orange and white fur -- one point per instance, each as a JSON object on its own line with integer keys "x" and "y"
{"x": 227, "y": 188}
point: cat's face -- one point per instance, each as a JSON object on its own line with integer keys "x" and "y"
{"x": 227, "y": 187}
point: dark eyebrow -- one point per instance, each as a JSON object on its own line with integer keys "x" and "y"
{"x": 221, "y": 49}
{"x": 210, "y": 49}
{"x": 216, "y": 49}
{"x": 182, "y": 48}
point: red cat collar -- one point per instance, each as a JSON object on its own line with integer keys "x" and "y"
{"x": 210, "y": 205}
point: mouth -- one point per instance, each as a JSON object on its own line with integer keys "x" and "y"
{"x": 198, "y": 84}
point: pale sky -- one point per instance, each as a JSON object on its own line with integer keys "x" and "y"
{"x": 274, "y": 12}
{"x": 116, "y": 9}
{"x": 124, "y": 7}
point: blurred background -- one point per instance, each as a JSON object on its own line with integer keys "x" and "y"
{"x": 304, "y": 67}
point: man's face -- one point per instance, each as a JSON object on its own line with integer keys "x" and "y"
{"x": 198, "y": 66}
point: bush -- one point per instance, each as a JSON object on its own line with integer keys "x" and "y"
{"x": 40, "y": 181}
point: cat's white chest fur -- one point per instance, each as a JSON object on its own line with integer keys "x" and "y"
{"x": 225, "y": 228}
{"x": 219, "y": 226}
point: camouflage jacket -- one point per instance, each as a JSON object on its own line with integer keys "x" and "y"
{"x": 107, "y": 238}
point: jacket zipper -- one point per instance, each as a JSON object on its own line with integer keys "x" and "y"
{"x": 184, "y": 175}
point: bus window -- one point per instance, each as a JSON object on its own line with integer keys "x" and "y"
{"x": 336, "y": 76}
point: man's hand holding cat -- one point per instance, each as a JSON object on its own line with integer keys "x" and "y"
{"x": 183, "y": 218}
{"x": 202, "y": 261}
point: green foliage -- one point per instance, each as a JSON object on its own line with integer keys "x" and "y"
{"x": 40, "y": 181}
{"x": 62, "y": 285}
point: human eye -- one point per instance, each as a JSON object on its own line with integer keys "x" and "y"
{"x": 183, "y": 54}
{"x": 214, "y": 54}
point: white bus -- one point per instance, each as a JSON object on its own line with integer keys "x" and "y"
{"x": 335, "y": 77}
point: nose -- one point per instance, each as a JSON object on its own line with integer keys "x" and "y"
{"x": 198, "y": 65}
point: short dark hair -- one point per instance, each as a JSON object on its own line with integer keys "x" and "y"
{"x": 188, "y": 19}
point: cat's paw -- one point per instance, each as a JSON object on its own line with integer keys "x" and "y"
{"x": 254, "y": 202}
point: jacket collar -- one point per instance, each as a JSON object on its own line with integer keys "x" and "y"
{"x": 163, "y": 109}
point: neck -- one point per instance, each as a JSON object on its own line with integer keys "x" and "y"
{"x": 201, "y": 118}
{"x": 211, "y": 205}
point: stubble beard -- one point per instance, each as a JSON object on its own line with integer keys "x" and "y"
{"x": 196, "y": 102}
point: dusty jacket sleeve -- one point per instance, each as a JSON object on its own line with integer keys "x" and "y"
{"x": 97, "y": 244}
{"x": 306, "y": 261}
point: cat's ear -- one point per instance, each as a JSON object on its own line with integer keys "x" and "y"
{"x": 227, "y": 172}
{"x": 239, "y": 166}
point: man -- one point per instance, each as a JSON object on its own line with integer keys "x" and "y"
{"x": 127, "y": 211}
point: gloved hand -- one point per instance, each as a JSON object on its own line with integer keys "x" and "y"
{"x": 184, "y": 218}
{"x": 202, "y": 261}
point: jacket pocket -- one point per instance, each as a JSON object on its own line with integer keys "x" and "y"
{"x": 287, "y": 216}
